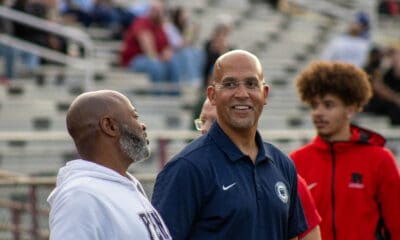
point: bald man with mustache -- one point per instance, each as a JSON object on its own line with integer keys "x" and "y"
{"x": 95, "y": 197}
{"x": 229, "y": 183}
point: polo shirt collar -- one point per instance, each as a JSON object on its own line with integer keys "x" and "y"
{"x": 226, "y": 145}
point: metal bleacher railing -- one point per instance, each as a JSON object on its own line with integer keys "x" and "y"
{"x": 70, "y": 33}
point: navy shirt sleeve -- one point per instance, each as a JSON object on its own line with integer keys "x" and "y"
{"x": 177, "y": 196}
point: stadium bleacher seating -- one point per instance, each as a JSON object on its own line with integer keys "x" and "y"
{"x": 285, "y": 43}
{"x": 39, "y": 102}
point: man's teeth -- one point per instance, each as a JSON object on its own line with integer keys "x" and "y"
{"x": 241, "y": 107}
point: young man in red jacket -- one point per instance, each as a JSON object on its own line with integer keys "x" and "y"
{"x": 353, "y": 178}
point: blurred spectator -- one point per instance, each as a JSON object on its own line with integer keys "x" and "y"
{"x": 146, "y": 47}
{"x": 102, "y": 13}
{"x": 374, "y": 61}
{"x": 140, "y": 8}
{"x": 389, "y": 7}
{"x": 80, "y": 10}
{"x": 386, "y": 86}
{"x": 215, "y": 47}
{"x": 273, "y": 3}
{"x": 353, "y": 46}
{"x": 6, "y": 51}
{"x": 8, "y": 57}
{"x": 31, "y": 34}
{"x": 182, "y": 32}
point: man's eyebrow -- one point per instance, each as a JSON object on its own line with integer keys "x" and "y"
{"x": 229, "y": 78}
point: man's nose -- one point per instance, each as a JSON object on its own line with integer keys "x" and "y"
{"x": 143, "y": 126}
{"x": 316, "y": 110}
{"x": 242, "y": 90}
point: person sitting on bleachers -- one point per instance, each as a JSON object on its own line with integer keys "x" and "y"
{"x": 146, "y": 47}
{"x": 5, "y": 50}
{"x": 386, "y": 85}
{"x": 182, "y": 32}
{"x": 101, "y": 13}
{"x": 353, "y": 46}
{"x": 22, "y": 31}
{"x": 215, "y": 46}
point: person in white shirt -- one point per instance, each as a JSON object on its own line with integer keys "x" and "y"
{"x": 95, "y": 197}
{"x": 353, "y": 46}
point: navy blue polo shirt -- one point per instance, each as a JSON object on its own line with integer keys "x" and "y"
{"x": 211, "y": 190}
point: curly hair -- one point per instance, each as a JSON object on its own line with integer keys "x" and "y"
{"x": 343, "y": 80}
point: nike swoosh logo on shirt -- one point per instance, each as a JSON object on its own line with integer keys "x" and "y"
{"x": 312, "y": 185}
{"x": 227, "y": 187}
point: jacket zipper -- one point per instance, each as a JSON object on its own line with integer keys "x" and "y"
{"x": 332, "y": 152}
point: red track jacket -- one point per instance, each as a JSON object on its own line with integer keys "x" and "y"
{"x": 353, "y": 183}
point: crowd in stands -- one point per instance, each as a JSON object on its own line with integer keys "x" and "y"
{"x": 161, "y": 40}
{"x": 162, "y": 43}
{"x": 147, "y": 48}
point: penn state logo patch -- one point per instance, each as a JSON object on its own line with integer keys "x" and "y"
{"x": 282, "y": 192}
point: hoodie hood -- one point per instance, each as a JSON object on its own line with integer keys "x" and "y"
{"x": 366, "y": 136}
{"x": 79, "y": 169}
{"x": 359, "y": 135}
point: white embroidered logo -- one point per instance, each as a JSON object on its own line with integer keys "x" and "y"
{"x": 282, "y": 192}
{"x": 227, "y": 187}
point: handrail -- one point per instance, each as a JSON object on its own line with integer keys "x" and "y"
{"x": 69, "y": 32}
{"x": 42, "y": 51}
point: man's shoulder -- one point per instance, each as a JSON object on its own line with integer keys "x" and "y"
{"x": 197, "y": 149}
{"x": 275, "y": 153}
{"x": 278, "y": 157}
{"x": 305, "y": 149}
{"x": 377, "y": 153}
{"x": 89, "y": 186}
{"x": 198, "y": 157}
{"x": 82, "y": 185}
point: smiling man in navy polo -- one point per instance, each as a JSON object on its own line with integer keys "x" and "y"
{"x": 228, "y": 183}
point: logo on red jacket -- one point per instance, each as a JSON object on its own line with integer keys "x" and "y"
{"x": 356, "y": 180}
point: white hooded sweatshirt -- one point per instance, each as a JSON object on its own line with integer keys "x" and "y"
{"x": 92, "y": 202}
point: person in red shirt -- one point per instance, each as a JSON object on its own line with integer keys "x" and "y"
{"x": 353, "y": 178}
{"x": 146, "y": 47}
{"x": 203, "y": 123}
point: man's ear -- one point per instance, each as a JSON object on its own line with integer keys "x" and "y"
{"x": 265, "y": 92}
{"x": 211, "y": 94}
{"x": 109, "y": 126}
{"x": 351, "y": 111}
